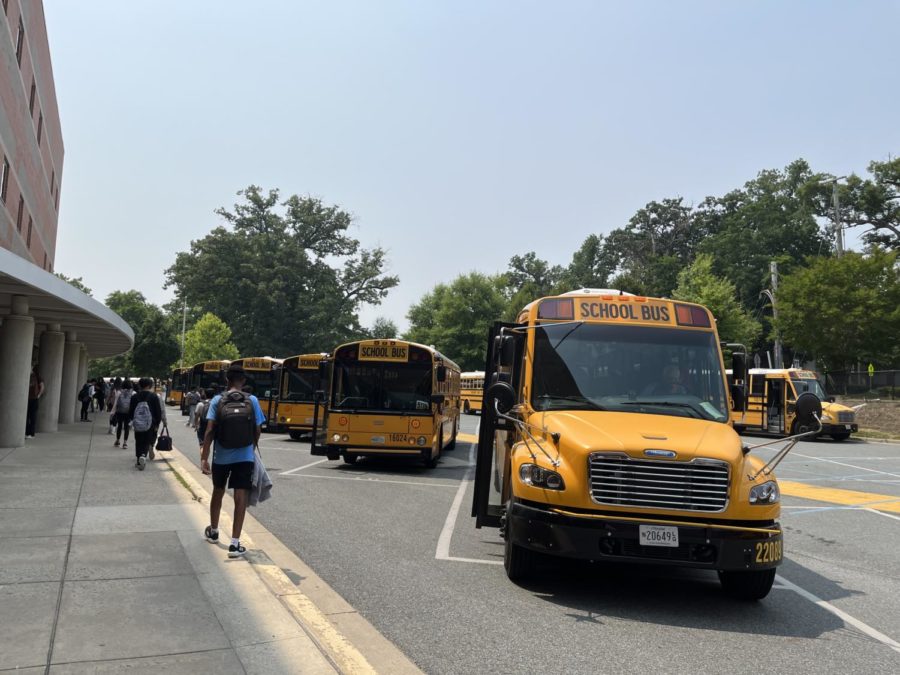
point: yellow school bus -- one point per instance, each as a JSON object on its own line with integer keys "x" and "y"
{"x": 769, "y": 405}
{"x": 181, "y": 379}
{"x": 390, "y": 398}
{"x": 263, "y": 377}
{"x": 300, "y": 381}
{"x": 606, "y": 435}
{"x": 471, "y": 386}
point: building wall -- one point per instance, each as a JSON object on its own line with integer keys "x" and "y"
{"x": 30, "y": 135}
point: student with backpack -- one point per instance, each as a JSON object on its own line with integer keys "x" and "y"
{"x": 122, "y": 406}
{"x": 145, "y": 415}
{"x": 234, "y": 421}
{"x": 191, "y": 399}
{"x": 200, "y": 421}
{"x": 84, "y": 396}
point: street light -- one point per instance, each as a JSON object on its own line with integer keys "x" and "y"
{"x": 836, "y": 216}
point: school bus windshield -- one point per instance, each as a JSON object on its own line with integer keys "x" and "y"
{"x": 300, "y": 385}
{"x": 803, "y": 386}
{"x": 662, "y": 371}
{"x": 382, "y": 386}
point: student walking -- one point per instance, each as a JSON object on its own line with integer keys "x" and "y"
{"x": 35, "y": 391}
{"x": 192, "y": 398}
{"x": 122, "y": 407}
{"x": 145, "y": 415}
{"x": 234, "y": 422}
{"x": 99, "y": 393}
{"x": 84, "y": 396}
{"x": 200, "y": 421}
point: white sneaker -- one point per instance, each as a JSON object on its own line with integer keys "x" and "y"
{"x": 142, "y": 462}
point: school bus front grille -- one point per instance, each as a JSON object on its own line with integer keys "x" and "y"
{"x": 698, "y": 485}
{"x": 845, "y": 417}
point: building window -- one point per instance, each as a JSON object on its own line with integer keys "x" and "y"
{"x": 21, "y": 213}
{"x": 4, "y": 180}
{"x": 28, "y": 238}
{"x": 40, "y": 126}
{"x": 31, "y": 98}
{"x": 20, "y": 42}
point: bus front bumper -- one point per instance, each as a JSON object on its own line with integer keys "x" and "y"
{"x": 604, "y": 537}
{"x": 839, "y": 429}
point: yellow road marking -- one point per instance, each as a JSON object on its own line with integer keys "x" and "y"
{"x": 467, "y": 438}
{"x": 838, "y": 496}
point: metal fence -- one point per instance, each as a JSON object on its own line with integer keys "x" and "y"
{"x": 881, "y": 384}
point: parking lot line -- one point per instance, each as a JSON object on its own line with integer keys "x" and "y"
{"x": 366, "y": 479}
{"x": 886, "y": 515}
{"x": 852, "y": 466}
{"x": 443, "y": 545}
{"x": 291, "y": 472}
{"x": 842, "y": 615}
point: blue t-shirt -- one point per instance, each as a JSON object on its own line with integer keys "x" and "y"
{"x": 231, "y": 455}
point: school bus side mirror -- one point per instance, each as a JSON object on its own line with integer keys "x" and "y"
{"x": 739, "y": 366}
{"x": 442, "y": 373}
{"x": 502, "y": 395}
{"x": 505, "y": 348}
{"x": 437, "y": 399}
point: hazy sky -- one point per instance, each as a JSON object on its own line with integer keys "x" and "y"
{"x": 458, "y": 133}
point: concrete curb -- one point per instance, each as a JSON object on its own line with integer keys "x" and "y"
{"x": 343, "y": 646}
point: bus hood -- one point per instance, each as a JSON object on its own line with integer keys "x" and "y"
{"x": 582, "y": 432}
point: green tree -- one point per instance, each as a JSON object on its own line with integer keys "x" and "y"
{"x": 209, "y": 340}
{"x": 77, "y": 282}
{"x": 283, "y": 273}
{"x": 527, "y": 278}
{"x": 697, "y": 283}
{"x": 770, "y": 218}
{"x": 455, "y": 318}
{"x": 383, "y": 329}
{"x": 591, "y": 267}
{"x": 843, "y": 310}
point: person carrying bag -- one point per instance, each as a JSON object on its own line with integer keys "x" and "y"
{"x": 164, "y": 441}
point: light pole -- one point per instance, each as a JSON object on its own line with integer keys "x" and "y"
{"x": 183, "y": 323}
{"x": 770, "y": 294}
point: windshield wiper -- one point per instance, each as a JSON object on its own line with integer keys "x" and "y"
{"x": 672, "y": 404}
{"x": 572, "y": 398}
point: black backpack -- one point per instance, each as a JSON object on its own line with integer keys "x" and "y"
{"x": 235, "y": 420}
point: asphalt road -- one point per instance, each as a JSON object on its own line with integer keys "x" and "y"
{"x": 380, "y": 535}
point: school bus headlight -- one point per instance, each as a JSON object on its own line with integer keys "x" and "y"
{"x": 532, "y": 474}
{"x": 336, "y": 438}
{"x": 767, "y": 493}
{"x": 421, "y": 440}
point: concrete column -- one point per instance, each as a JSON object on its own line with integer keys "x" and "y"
{"x": 16, "y": 346}
{"x": 68, "y": 391}
{"x": 82, "y": 366}
{"x": 50, "y": 367}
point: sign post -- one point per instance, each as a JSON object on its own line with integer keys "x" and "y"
{"x": 871, "y": 374}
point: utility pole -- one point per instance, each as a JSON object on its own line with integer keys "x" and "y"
{"x": 183, "y": 324}
{"x": 770, "y": 294}
{"x": 838, "y": 228}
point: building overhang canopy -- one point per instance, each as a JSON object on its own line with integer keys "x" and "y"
{"x": 53, "y": 301}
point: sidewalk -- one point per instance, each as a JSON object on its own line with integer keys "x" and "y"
{"x": 104, "y": 568}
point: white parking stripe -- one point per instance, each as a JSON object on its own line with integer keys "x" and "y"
{"x": 882, "y": 513}
{"x": 366, "y": 479}
{"x": 291, "y": 472}
{"x": 443, "y": 545}
{"x": 852, "y": 466}
{"x": 842, "y": 615}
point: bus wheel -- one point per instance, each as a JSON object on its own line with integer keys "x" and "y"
{"x": 295, "y": 435}
{"x": 519, "y": 563}
{"x": 840, "y": 437}
{"x": 750, "y": 585}
{"x": 432, "y": 462}
{"x": 350, "y": 458}
{"x": 452, "y": 444}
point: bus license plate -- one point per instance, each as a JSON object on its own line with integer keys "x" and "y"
{"x": 658, "y": 535}
{"x": 398, "y": 438}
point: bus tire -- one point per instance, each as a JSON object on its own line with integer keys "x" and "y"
{"x": 519, "y": 563}
{"x": 747, "y": 585}
{"x": 466, "y": 408}
{"x": 799, "y": 429}
{"x": 295, "y": 435}
{"x": 350, "y": 458}
{"x": 841, "y": 437}
{"x": 452, "y": 444}
{"x": 432, "y": 462}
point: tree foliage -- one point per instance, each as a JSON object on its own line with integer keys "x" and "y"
{"x": 77, "y": 282}
{"x": 455, "y": 318}
{"x": 697, "y": 283}
{"x": 209, "y": 340}
{"x": 283, "y": 273}
{"x": 383, "y": 329}
{"x": 843, "y": 310}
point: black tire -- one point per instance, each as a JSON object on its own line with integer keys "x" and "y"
{"x": 750, "y": 585}
{"x": 350, "y": 458}
{"x": 295, "y": 435}
{"x": 799, "y": 429}
{"x": 841, "y": 437}
{"x": 452, "y": 444}
{"x": 466, "y": 408}
{"x": 432, "y": 462}
{"x": 519, "y": 563}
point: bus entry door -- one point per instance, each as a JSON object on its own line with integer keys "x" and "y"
{"x": 775, "y": 406}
